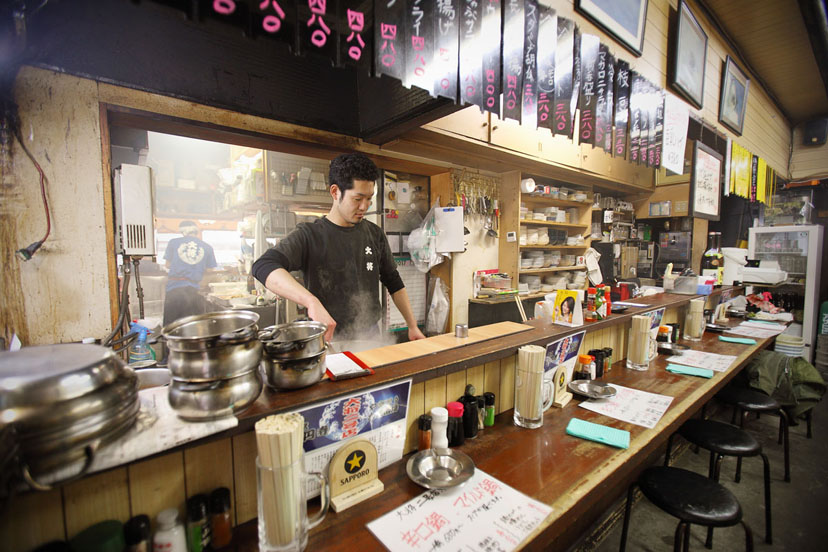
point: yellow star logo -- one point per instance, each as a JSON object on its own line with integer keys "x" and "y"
{"x": 355, "y": 462}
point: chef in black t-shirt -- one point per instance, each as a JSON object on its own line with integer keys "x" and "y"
{"x": 343, "y": 258}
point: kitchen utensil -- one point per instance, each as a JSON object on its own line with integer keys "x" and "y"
{"x": 293, "y": 373}
{"x": 199, "y": 401}
{"x": 439, "y": 468}
{"x": 293, "y": 340}
{"x": 592, "y": 389}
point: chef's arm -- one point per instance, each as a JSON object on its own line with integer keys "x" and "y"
{"x": 284, "y": 285}
{"x": 400, "y": 298}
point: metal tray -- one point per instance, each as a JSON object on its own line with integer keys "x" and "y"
{"x": 439, "y": 468}
{"x": 671, "y": 348}
{"x": 592, "y": 389}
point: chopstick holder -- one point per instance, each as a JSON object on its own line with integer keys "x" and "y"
{"x": 600, "y": 433}
{"x": 690, "y": 371}
{"x": 743, "y": 340}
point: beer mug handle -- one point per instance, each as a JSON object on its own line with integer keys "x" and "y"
{"x": 549, "y": 393}
{"x": 325, "y": 496}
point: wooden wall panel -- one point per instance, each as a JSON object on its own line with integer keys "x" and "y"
{"x": 34, "y": 519}
{"x": 156, "y": 485}
{"x": 208, "y": 467}
{"x": 455, "y": 385}
{"x": 244, "y": 476}
{"x": 416, "y": 407}
{"x": 474, "y": 376}
{"x": 491, "y": 380}
{"x": 506, "y": 399}
{"x": 435, "y": 393}
{"x": 96, "y": 498}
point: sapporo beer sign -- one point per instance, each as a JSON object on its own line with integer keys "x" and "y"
{"x": 514, "y": 58}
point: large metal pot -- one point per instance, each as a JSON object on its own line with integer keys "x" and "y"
{"x": 213, "y": 346}
{"x": 294, "y": 340}
{"x": 208, "y": 400}
{"x": 293, "y": 373}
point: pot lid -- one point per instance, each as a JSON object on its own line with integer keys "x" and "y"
{"x": 43, "y": 375}
{"x": 292, "y": 331}
{"x": 212, "y": 324}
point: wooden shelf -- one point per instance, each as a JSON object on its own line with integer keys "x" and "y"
{"x": 527, "y": 222}
{"x": 551, "y": 269}
{"x": 554, "y": 247}
{"x": 552, "y": 202}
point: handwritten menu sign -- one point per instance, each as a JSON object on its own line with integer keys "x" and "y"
{"x": 513, "y": 35}
{"x": 643, "y": 119}
{"x": 753, "y": 331}
{"x": 601, "y": 74}
{"x": 316, "y": 28}
{"x": 705, "y": 184}
{"x": 355, "y": 31}
{"x": 492, "y": 86}
{"x": 676, "y": 120}
{"x": 576, "y": 80}
{"x": 659, "y": 125}
{"x": 529, "y": 96}
{"x": 564, "y": 53}
{"x": 622, "y": 108}
{"x": 589, "y": 58}
{"x": 389, "y": 38}
{"x": 273, "y": 18}
{"x": 446, "y": 49}
{"x": 482, "y": 514}
{"x": 547, "y": 42}
{"x": 419, "y": 44}
{"x": 471, "y": 62}
{"x": 700, "y": 359}
{"x": 632, "y": 406}
{"x": 635, "y": 117}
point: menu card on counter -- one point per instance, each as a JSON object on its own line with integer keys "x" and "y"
{"x": 754, "y": 331}
{"x": 700, "y": 359}
{"x": 482, "y": 514}
{"x": 631, "y": 405}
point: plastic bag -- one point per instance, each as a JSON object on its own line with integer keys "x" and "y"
{"x": 422, "y": 243}
{"x": 438, "y": 308}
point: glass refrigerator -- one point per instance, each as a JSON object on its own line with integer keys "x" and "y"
{"x": 798, "y": 249}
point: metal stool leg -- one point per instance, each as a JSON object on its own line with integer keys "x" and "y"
{"x": 669, "y": 449}
{"x": 748, "y": 537}
{"x": 711, "y": 470}
{"x": 687, "y": 538}
{"x": 808, "y": 417}
{"x": 783, "y": 416}
{"x": 717, "y": 470}
{"x": 738, "y": 477}
{"x": 681, "y": 531}
{"x": 627, "y": 511}
{"x": 768, "y": 523}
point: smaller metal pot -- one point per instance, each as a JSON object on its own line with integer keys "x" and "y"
{"x": 293, "y": 374}
{"x": 294, "y": 340}
{"x": 208, "y": 400}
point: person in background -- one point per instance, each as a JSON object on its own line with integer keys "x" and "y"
{"x": 343, "y": 258}
{"x": 187, "y": 258}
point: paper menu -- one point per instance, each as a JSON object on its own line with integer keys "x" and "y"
{"x": 700, "y": 359}
{"x": 631, "y": 405}
{"x": 449, "y": 223}
{"x": 753, "y": 331}
{"x": 482, "y": 514}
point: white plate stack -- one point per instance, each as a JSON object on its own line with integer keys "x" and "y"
{"x": 789, "y": 345}
{"x": 821, "y": 360}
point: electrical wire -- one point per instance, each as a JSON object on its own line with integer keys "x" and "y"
{"x": 107, "y": 341}
{"x": 29, "y": 251}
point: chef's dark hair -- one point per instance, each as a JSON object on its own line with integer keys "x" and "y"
{"x": 349, "y": 167}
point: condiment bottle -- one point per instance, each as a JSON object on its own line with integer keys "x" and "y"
{"x": 589, "y": 313}
{"x": 222, "y": 530}
{"x": 198, "y": 523}
{"x": 489, "y": 400}
{"x": 456, "y": 437}
{"x": 664, "y": 334}
{"x": 470, "y": 413}
{"x": 607, "y": 359}
{"x": 104, "y": 536}
{"x": 137, "y": 534}
{"x": 608, "y": 299}
{"x": 439, "y": 427}
{"x": 600, "y": 307}
{"x": 424, "y": 425}
{"x": 481, "y": 413}
{"x": 583, "y": 368}
{"x": 598, "y": 358}
{"x": 170, "y": 536}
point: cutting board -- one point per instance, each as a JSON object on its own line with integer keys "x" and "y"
{"x": 423, "y": 347}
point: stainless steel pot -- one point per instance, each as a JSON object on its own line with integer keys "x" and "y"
{"x": 213, "y": 346}
{"x": 294, "y": 340}
{"x": 294, "y": 373}
{"x": 199, "y": 401}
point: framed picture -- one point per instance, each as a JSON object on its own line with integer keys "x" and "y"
{"x": 733, "y": 98}
{"x": 705, "y": 183}
{"x": 623, "y": 19}
{"x": 689, "y": 57}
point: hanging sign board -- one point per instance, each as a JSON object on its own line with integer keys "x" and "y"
{"x": 529, "y": 97}
{"x": 317, "y": 29}
{"x": 563, "y": 76}
{"x": 446, "y": 49}
{"x": 355, "y": 31}
{"x": 513, "y": 35}
{"x": 419, "y": 45}
{"x": 389, "y": 38}
{"x": 635, "y": 117}
{"x": 587, "y": 104}
{"x": 547, "y": 40}
{"x": 676, "y": 120}
{"x": 492, "y": 85}
{"x": 471, "y": 61}
{"x": 659, "y": 126}
{"x": 609, "y": 111}
{"x": 601, "y": 76}
{"x": 621, "y": 108}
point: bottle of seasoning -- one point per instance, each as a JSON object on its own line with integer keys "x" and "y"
{"x": 170, "y": 535}
{"x": 664, "y": 334}
{"x": 589, "y": 312}
{"x": 198, "y": 523}
{"x": 598, "y": 357}
{"x": 424, "y": 425}
{"x": 456, "y": 437}
{"x": 221, "y": 528}
{"x": 470, "y": 421}
{"x": 137, "y": 534}
{"x": 608, "y": 299}
{"x": 489, "y": 400}
{"x": 104, "y": 536}
{"x": 600, "y": 307}
{"x": 607, "y": 359}
{"x": 481, "y": 413}
{"x": 439, "y": 426}
{"x": 582, "y": 372}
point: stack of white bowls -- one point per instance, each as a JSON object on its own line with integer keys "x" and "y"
{"x": 789, "y": 345}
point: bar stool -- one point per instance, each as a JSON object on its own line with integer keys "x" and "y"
{"x": 725, "y": 440}
{"x": 746, "y": 400}
{"x": 692, "y": 498}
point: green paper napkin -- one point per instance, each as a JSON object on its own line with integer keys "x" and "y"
{"x": 690, "y": 371}
{"x": 744, "y": 340}
{"x": 600, "y": 433}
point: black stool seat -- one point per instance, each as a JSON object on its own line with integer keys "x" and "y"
{"x": 719, "y": 437}
{"x": 748, "y": 399}
{"x": 690, "y": 497}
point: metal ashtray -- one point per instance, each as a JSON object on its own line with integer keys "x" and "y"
{"x": 717, "y": 328}
{"x": 671, "y": 348}
{"x": 592, "y": 389}
{"x": 439, "y": 468}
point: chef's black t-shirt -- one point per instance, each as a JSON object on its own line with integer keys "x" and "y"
{"x": 341, "y": 266}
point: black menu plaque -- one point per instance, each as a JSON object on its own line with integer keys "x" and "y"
{"x": 601, "y": 74}
{"x": 547, "y": 41}
{"x": 446, "y": 48}
{"x": 622, "y": 108}
{"x": 272, "y": 20}
{"x": 643, "y": 119}
{"x": 590, "y": 45}
{"x": 563, "y": 76}
{"x": 513, "y": 32}
{"x": 635, "y": 117}
{"x": 652, "y": 94}
{"x": 389, "y": 38}
{"x": 419, "y": 44}
{"x": 576, "y": 79}
{"x": 471, "y": 60}
{"x": 356, "y": 27}
{"x": 316, "y": 28}
{"x": 659, "y": 127}
{"x": 609, "y": 106}
{"x": 492, "y": 48}
{"x": 529, "y": 98}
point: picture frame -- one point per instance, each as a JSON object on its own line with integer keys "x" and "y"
{"x": 706, "y": 183}
{"x": 733, "y": 97}
{"x": 689, "y": 57}
{"x": 624, "y": 20}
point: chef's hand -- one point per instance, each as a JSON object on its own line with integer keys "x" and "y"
{"x": 318, "y": 313}
{"x": 415, "y": 334}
